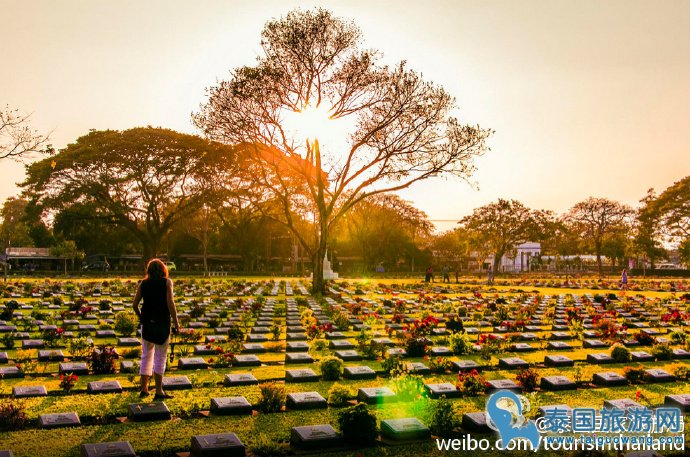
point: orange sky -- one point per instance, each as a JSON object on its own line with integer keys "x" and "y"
{"x": 586, "y": 97}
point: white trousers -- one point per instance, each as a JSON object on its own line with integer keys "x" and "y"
{"x": 153, "y": 357}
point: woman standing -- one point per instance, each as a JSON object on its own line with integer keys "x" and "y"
{"x": 156, "y": 314}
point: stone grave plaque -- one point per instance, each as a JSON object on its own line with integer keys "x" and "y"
{"x": 557, "y": 383}
{"x": 78, "y": 368}
{"x": 446, "y": 388}
{"x": 253, "y": 348}
{"x": 409, "y": 428}
{"x": 522, "y": 347}
{"x": 176, "y": 383}
{"x": 111, "y": 449}
{"x": 341, "y": 344}
{"x": 216, "y": 445}
{"x": 144, "y": 412}
{"x": 609, "y": 378}
{"x": 359, "y": 372}
{"x": 246, "y": 360}
{"x": 126, "y": 366}
{"x": 560, "y": 336}
{"x": 305, "y": 400}
{"x": 417, "y": 368}
{"x": 50, "y": 355}
{"x": 681, "y": 401}
{"x": 681, "y": 354}
{"x": 227, "y": 406}
{"x": 512, "y": 363}
{"x": 543, "y": 410}
{"x": 384, "y": 341}
{"x": 314, "y": 437}
{"x": 59, "y": 420}
{"x": 658, "y": 375}
{"x": 29, "y": 391}
{"x": 558, "y": 361}
{"x": 192, "y": 363}
{"x": 296, "y": 346}
{"x": 641, "y": 356}
{"x": 349, "y": 354}
{"x": 558, "y": 346}
{"x": 475, "y": 422}
{"x": 623, "y": 403}
{"x": 503, "y": 384}
{"x": 466, "y": 365}
{"x": 376, "y": 395}
{"x": 203, "y": 349}
{"x": 440, "y": 351}
{"x": 103, "y": 387}
{"x": 126, "y": 342}
{"x": 105, "y": 334}
{"x": 298, "y": 336}
{"x": 10, "y": 372}
{"x": 396, "y": 352}
{"x": 239, "y": 379}
{"x": 594, "y": 344}
{"x": 298, "y": 357}
{"x": 32, "y": 344}
{"x": 599, "y": 358}
{"x": 304, "y": 375}
{"x": 254, "y": 338}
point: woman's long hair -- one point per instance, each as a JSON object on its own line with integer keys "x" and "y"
{"x": 156, "y": 269}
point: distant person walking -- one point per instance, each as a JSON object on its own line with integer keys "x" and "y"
{"x": 624, "y": 279}
{"x": 490, "y": 277}
{"x": 446, "y": 274}
{"x": 429, "y": 276}
{"x": 157, "y": 313}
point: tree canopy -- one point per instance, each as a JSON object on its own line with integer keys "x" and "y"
{"x": 404, "y": 128}
{"x": 143, "y": 179}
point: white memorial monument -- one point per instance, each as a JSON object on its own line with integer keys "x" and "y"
{"x": 328, "y": 272}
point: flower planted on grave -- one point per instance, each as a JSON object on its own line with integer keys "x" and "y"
{"x": 52, "y": 336}
{"x": 528, "y": 378}
{"x": 189, "y": 335}
{"x": 674, "y": 316}
{"x": 67, "y": 381}
{"x": 438, "y": 365}
{"x": 102, "y": 359}
{"x": 223, "y": 358}
{"x": 408, "y": 387}
{"x": 471, "y": 383}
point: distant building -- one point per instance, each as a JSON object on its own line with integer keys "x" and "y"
{"x": 518, "y": 260}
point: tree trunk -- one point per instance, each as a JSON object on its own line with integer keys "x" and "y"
{"x": 318, "y": 283}
{"x": 597, "y": 247}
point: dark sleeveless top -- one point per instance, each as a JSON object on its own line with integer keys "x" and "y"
{"x": 155, "y": 316}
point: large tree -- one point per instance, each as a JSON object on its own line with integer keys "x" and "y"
{"x": 672, "y": 207}
{"x": 143, "y": 179}
{"x": 501, "y": 226}
{"x": 403, "y": 127}
{"x": 648, "y": 230}
{"x": 17, "y": 138}
{"x": 596, "y": 220}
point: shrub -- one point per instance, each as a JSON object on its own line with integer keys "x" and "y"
{"x": 392, "y": 365}
{"x": 471, "y": 383}
{"x": 454, "y": 325}
{"x": 443, "y": 419}
{"x": 679, "y": 336}
{"x": 12, "y": 415}
{"x": 460, "y": 343}
{"x": 126, "y": 323}
{"x": 416, "y": 347}
{"x": 52, "y": 337}
{"x": 67, "y": 381}
{"x": 620, "y": 353}
{"x": 331, "y": 368}
{"x": 682, "y": 373}
{"x": 265, "y": 446}
{"x": 79, "y": 347}
{"x": 235, "y": 333}
{"x": 528, "y": 378}
{"x": 633, "y": 374}
{"x": 644, "y": 339}
{"x": 132, "y": 353}
{"x": 339, "y": 395}
{"x": 662, "y": 351}
{"x": 438, "y": 365}
{"x": 358, "y": 425}
{"x": 8, "y": 341}
{"x": 272, "y": 397}
{"x": 408, "y": 387}
{"x": 102, "y": 360}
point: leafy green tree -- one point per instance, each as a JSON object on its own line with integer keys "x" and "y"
{"x": 596, "y": 219}
{"x": 404, "y": 127}
{"x": 501, "y": 226}
{"x": 145, "y": 180}
{"x": 68, "y": 250}
{"x": 672, "y": 209}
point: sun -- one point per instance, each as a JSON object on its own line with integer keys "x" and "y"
{"x": 316, "y": 122}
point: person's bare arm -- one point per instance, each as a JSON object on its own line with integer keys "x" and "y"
{"x": 171, "y": 305}
{"x": 137, "y": 300}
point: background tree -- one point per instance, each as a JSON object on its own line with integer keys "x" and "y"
{"x": 404, "y": 129}
{"x": 15, "y": 227}
{"x": 144, "y": 179}
{"x": 648, "y": 230}
{"x": 501, "y": 226}
{"x": 672, "y": 208}
{"x": 68, "y": 250}
{"x": 17, "y": 138}
{"x": 595, "y": 219}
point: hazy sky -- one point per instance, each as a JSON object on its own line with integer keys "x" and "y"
{"x": 586, "y": 97}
